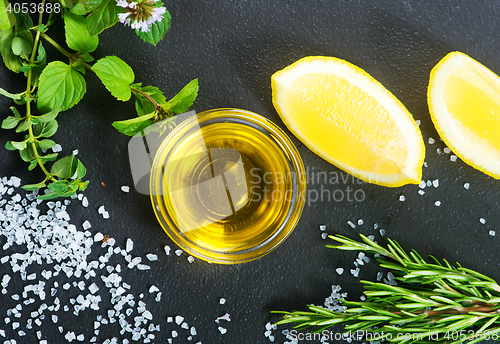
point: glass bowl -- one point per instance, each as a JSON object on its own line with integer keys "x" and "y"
{"x": 227, "y": 185}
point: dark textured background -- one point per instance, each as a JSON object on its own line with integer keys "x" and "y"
{"x": 233, "y": 48}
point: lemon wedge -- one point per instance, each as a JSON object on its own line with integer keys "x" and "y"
{"x": 464, "y": 102}
{"x": 349, "y": 119}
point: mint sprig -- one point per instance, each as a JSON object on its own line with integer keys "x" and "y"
{"x": 59, "y": 85}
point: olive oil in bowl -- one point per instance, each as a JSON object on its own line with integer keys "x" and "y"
{"x": 227, "y": 185}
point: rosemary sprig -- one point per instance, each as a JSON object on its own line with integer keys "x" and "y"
{"x": 434, "y": 301}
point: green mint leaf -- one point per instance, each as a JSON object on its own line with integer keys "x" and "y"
{"x": 32, "y": 165}
{"x": 78, "y": 37}
{"x": 143, "y": 105}
{"x": 116, "y": 75}
{"x": 46, "y": 144}
{"x": 81, "y": 170}
{"x": 48, "y": 196}
{"x": 59, "y": 187}
{"x": 86, "y": 57}
{"x": 85, "y": 6}
{"x": 83, "y": 185}
{"x": 18, "y": 145}
{"x": 7, "y": 18}
{"x": 49, "y": 116}
{"x": 10, "y": 95}
{"x": 103, "y": 16}
{"x": 27, "y": 154}
{"x": 61, "y": 86}
{"x": 64, "y": 168}
{"x": 11, "y": 60}
{"x": 15, "y": 112}
{"x": 23, "y": 20}
{"x": 184, "y": 99}
{"x": 45, "y": 129}
{"x": 10, "y": 146}
{"x": 23, "y": 126}
{"x": 156, "y": 31}
{"x": 21, "y": 47}
{"x": 31, "y": 187}
{"x": 131, "y": 129}
{"x": 10, "y": 122}
{"x": 25, "y": 69}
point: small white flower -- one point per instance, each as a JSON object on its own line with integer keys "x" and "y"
{"x": 122, "y": 3}
{"x": 123, "y": 17}
{"x": 132, "y": 5}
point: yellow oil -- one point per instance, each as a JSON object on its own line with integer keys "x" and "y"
{"x": 227, "y": 187}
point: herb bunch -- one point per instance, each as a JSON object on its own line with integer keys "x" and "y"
{"x": 434, "y": 300}
{"x": 53, "y": 87}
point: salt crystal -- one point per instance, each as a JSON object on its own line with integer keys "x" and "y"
{"x": 355, "y": 272}
{"x": 222, "y": 301}
{"x": 193, "y": 331}
{"x": 178, "y": 252}
{"x": 170, "y": 319}
{"x": 105, "y": 215}
{"x": 360, "y": 222}
{"x": 429, "y": 183}
{"x": 86, "y": 225}
{"x": 351, "y": 224}
{"x": 174, "y": 334}
{"x": 437, "y": 203}
{"x": 158, "y": 297}
{"x": 153, "y": 289}
{"x": 143, "y": 267}
{"x": 402, "y": 198}
{"x": 447, "y": 150}
{"x": 125, "y": 188}
{"x": 98, "y": 236}
{"x": 167, "y": 250}
{"x": 101, "y": 209}
{"x": 382, "y": 232}
{"x": 453, "y": 158}
{"x": 438, "y": 151}
{"x": 129, "y": 245}
{"x": 322, "y": 228}
{"x": 340, "y": 271}
{"x": 54, "y": 318}
{"x": 85, "y": 202}
{"x": 147, "y": 315}
{"x": 466, "y": 186}
{"x": 483, "y": 221}
{"x": 418, "y": 122}
{"x": 151, "y": 257}
{"x": 431, "y": 141}
{"x": 222, "y": 330}
{"x": 190, "y": 259}
{"x": 179, "y": 319}
{"x": 421, "y": 192}
{"x": 57, "y": 148}
{"x": 324, "y": 236}
{"x": 492, "y": 233}
{"x": 435, "y": 183}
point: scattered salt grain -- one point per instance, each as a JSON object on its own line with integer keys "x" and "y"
{"x": 85, "y": 202}
{"x": 453, "y": 158}
{"x": 125, "y": 188}
{"x": 483, "y": 221}
{"x": 340, "y": 271}
{"x": 422, "y": 184}
{"x": 437, "y": 203}
{"x": 351, "y": 224}
{"x": 402, "y": 198}
{"x": 322, "y": 227}
{"x": 178, "y": 252}
{"x": 492, "y": 233}
{"x": 222, "y": 330}
{"x": 179, "y": 319}
{"x": 170, "y": 319}
{"x": 129, "y": 245}
{"x": 98, "y": 237}
{"x": 431, "y": 141}
{"x": 435, "y": 183}
{"x": 57, "y": 148}
{"x": 324, "y": 236}
{"x": 382, "y": 232}
{"x": 360, "y": 222}
{"x": 447, "y": 150}
{"x": 105, "y": 215}
{"x": 466, "y": 186}
{"x": 101, "y": 210}
{"x": 86, "y": 225}
{"x": 421, "y": 192}
{"x": 429, "y": 183}
{"x": 153, "y": 289}
{"x": 190, "y": 259}
{"x": 418, "y": 122}
{"x": 438, "y": 151}
{"x": 167, "y": 250}
{"x": 151, "y": 257}
{"x": 222, "y": 301}
{"x": 355, "y": 272}
{"x": 174, "y": 334}
{"x": 225, "y": 317}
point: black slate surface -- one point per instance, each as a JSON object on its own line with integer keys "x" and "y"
{"x": 233, "y": 48}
